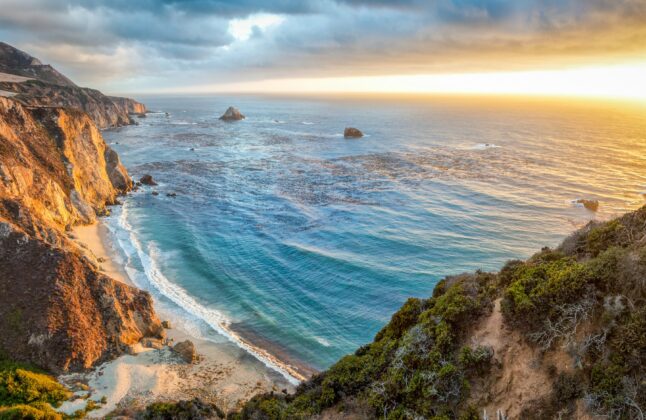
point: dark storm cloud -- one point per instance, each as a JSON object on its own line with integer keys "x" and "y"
{"x": 129, "y": 44}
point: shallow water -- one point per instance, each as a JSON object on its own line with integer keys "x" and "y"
{"x": 305, "y": 243}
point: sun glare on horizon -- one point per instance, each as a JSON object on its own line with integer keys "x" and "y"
{"x": 624, "y": 81}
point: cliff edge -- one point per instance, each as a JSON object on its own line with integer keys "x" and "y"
{"x": 35, "y": 84}
{"x": 57, "y": 310}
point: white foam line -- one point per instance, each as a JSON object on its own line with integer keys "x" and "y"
{"x": 213, "y": 318}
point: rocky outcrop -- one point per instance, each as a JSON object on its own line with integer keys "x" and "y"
{"x": 15, "y": 61}
{"x": 147, "y": 180}
{"x": 59, "y": 312}
{"x": 116, "y": 172}
{"x": 53, "y": 161}
{"x": 129, "y": 106}
{"x": 592, "y": 205}
{"x": 99, "y": 107}
{"x": 56, "y": 309}
{"x": 46, "y": 87}
{"x": 353, "y": 133}
{"x": 186, "y": 350}
{"x": 232, "y": 114}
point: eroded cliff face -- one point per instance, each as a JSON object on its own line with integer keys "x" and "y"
{"x": 103, "y": 110}
{"x": 53, "y": 161}
{"x": 56, "y": 309}
{"x": 46, "y": 87}
{"x": 129, "y": 106}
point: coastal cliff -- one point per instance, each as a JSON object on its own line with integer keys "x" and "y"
{"x": 42, "y": 86}
{"x": 129, "y": 106}
{"x": 58, "y": 310}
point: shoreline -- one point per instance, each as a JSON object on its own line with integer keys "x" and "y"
{"x": 225, "y": 374}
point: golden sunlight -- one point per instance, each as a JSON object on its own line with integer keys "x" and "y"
{"x": 620, "y": 81}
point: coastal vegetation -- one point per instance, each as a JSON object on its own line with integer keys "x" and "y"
{"x": 27, "y": 392}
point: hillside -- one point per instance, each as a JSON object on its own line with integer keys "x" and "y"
{"x": 27, "y": 80}
{"x": 58, "y": 310}
{"x": 15, "y": 61}
{"x": 561, "y": 335}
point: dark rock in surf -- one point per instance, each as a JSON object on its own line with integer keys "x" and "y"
{"x": 232, "y": 114}
{"x": 592, "y": 205}
{"x": 352, "y": 133}
{"x": 147, "y": 180}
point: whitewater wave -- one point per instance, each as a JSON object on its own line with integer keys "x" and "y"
{"x": 484, "y": 146}
{"x": 133, "y": 247}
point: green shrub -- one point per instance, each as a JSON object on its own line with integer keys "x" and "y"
{"x": 194, "y": 408}
{"x": 21, "y": 384}
{"x": 537, "y": 290}
{"x": 35, "y": 411}
{"x": 603, "y": 237}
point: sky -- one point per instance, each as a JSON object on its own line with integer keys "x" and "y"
{"x": 199, "y": 46}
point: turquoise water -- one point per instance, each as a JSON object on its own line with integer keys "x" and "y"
{"x": 305, "y": 243}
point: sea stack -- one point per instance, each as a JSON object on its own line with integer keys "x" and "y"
{"x": 352, "y": 133}
{"x": 147, "y": 180}
{"x": 592, "y": 205}
{"x": 232, "y": 114}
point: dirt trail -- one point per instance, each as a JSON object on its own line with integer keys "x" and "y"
{"x": 517, "y": 375}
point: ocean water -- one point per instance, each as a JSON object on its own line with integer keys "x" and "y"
{"x": 298, "y": 244}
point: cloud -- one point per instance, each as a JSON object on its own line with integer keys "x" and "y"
{"x": 147, "y": 44}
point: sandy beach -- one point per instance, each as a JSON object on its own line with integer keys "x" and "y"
{"x": 225, "y": 374}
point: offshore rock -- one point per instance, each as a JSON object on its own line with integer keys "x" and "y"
{"x": 147, "y": 180}
{"x": 351, "y": 132}
{"x": 592, "y": 205}
{"x": 232, "y": 114}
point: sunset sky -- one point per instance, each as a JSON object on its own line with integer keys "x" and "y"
{"x": 579, "y": 47}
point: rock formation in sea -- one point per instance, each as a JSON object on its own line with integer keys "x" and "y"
{"x": 592, "y": 205}
{"x": 147, "y": 179}
{"x": 352, "y": 133}
{"x": 57, "y": 309}
{"x": 45, "y": 86}
{"x": 232, "y": 114}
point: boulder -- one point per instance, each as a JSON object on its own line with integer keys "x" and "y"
{"x": 152, "y": 343}
{"x": 592, "y": 205}
{"x": 172, "y": 194}
{"x": 352, "y": 133}
{"x": 147, "y": 180}
{"x": 186, "y": 350}
{"x": 232, "y": 114}
{"x": 166, "y": 324}
{"x": 155, "y": 193}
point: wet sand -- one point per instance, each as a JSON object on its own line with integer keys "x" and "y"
{"x": 225, "y": 374}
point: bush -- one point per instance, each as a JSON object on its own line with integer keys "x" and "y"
{"x": 22, "y": 384}
{"x": 193, "y": 409}
{"x": 538, "y": 290}
{"x": 603, "y": 237}
{"x": 36, "y": 411}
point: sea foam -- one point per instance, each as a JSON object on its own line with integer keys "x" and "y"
{"x": 133, "y": 248}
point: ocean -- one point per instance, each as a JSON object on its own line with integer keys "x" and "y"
{"x": 298, "y": 244}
